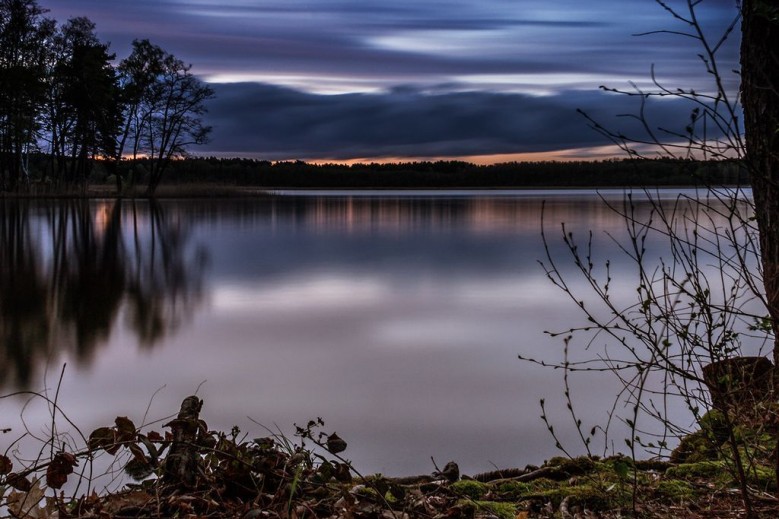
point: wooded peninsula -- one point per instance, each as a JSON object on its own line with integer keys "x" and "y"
{"x": 186, "y": 176}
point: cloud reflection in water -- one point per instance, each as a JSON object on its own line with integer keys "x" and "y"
{"x": 397, "y": 320}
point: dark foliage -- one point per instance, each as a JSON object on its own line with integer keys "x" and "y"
{"x": 455, "y": 174}
{"x": 61, "y": 95}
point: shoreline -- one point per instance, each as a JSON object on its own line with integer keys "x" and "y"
{"x": 194, "y": 471}
{"x": 221, "y": 191}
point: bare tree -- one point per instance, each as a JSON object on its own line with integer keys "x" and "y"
{"x": 137, "y": 73}
{"x": 163, "y": 108}
{"x": 704, "y": 313}
{"x": 176, "y": 106}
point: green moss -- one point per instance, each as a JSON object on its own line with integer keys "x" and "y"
{"x": 513, "y": 490}
{"x": 572, "y": 466}
{"x": 763, "y": 478}
{"x": 675, "y": 490}
{"x": 618, "y": 459}
{"x": 592, "y": 496}
{"x": 542, "y": 484}
{"x": 705, "y": 443}
{"x": 702, "y": 469}
{"x": 759, "y": 442}
{"x": 616, "y": 468}
{"x": 715, "y": 424}
{"x": 694, "y": 448}
{"x": 718, "y": 471}
{"x": 620, "y": 471}
{"x": 469, "y": 488}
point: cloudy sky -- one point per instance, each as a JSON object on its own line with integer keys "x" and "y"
{"x": 486, "y": 80}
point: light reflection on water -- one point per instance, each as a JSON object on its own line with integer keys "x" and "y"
{"x": 398, "y": 319}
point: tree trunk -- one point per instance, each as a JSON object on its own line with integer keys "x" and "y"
{"x": 760, "y": 98}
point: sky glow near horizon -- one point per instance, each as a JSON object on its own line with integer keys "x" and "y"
{"x": 341, "y": 79}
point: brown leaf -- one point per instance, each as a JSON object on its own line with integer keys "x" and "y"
{"x": 59, "y": 469}
{"x": 138, "y": 453}
{"x": 67, "y": 457}
{"x": 154, "y": 436}
{"x": 18, "y": 482}
{"x": 342, "y": 473}
{"x": 55, "y": 479}
{"x": 103, "y": 438}
{"x": 152, "y": 450}
{"x": 26, "y": 504}
{"x": 335, "y": 444}
{"x": 132, "y": 499}
{"x": 6, "y": 465}
{"x": 125, "y": 429}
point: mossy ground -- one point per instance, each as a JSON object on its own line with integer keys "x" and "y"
{"x": 271, "y": 477}
{"x": 613, "y": 487}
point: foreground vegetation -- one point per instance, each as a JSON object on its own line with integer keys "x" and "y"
{"x": 190, "y": 471}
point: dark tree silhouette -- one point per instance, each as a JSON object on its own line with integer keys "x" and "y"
{"x": 23, "y": 37}
{"x": 137, "y": 73}
{"x": 760, "y": 98}
{"x": 174, "y": 108}
{"x": 83, "y": 111}
{"x": 163, "y": 105}
{"x": 59, "y": 87}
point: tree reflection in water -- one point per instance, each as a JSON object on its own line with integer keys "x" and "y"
{"x": 69, "y": 270}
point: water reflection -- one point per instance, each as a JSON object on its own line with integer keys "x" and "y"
{"x": 398, "y": 319}
{"x": 483, "y": 214}
{"x": 70, "y": 270}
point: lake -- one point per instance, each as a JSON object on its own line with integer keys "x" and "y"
{"x": 397, "y": 317}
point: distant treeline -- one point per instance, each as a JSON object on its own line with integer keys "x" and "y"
{"x": 440, "y": 174}
{"x": 454, "y": 174}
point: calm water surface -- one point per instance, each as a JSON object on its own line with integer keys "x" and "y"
{"x": 397, "y": 317}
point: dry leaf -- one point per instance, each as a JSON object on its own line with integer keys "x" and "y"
{"x": 6, "y": 465}
{"x": 103, "y": 438}
{"x": 59, "y": 469}
{"x": 335, "y": 444}
{"x": 125, "y": 429}
{"x": 18, "y": 482}
{"x": 25, "y": 504}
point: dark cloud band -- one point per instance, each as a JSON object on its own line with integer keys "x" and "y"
{"x": 280, "y": 123}
{"x": 296, "y": 49}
